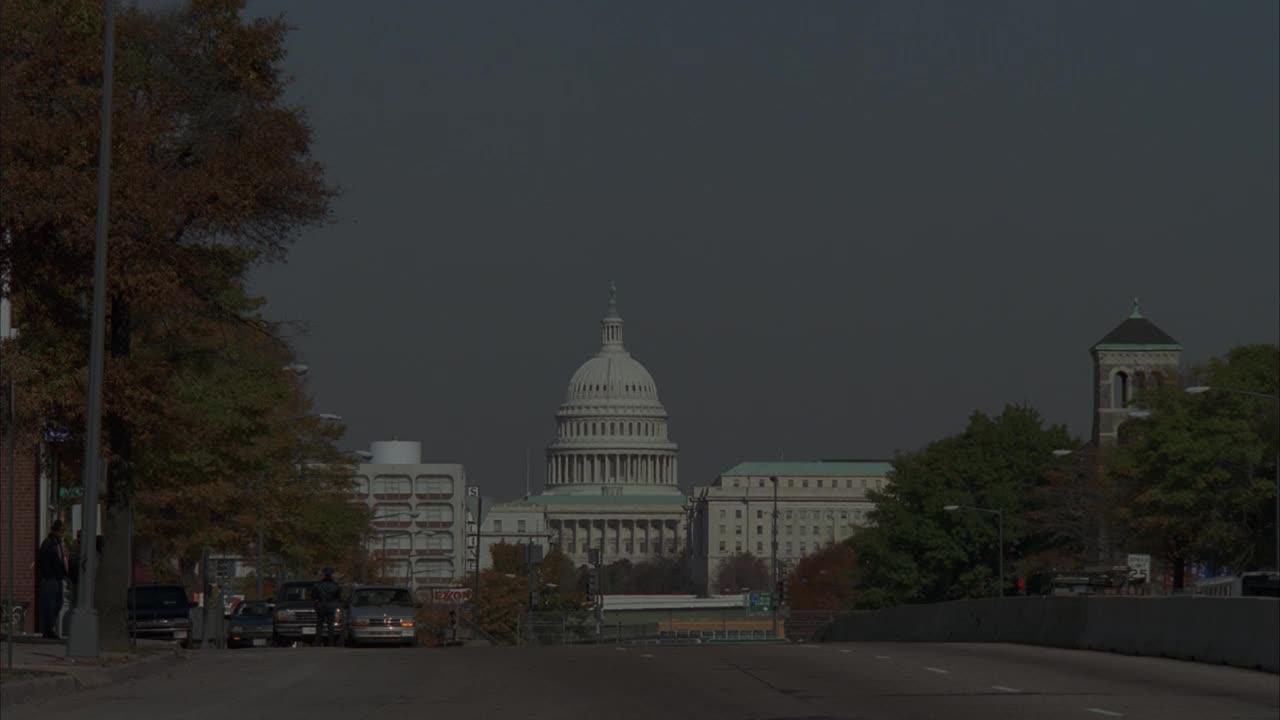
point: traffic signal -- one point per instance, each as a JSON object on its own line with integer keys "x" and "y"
{"x": 784, "y": 589}
{"x": 593, "y": 585}
{"x": 1022, "y": 586}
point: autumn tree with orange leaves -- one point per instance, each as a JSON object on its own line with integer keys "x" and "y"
{"x": 823, "y": 580}
{"x": 211, "y": 175}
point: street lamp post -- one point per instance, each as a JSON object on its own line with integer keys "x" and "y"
{"x": 1199, "y": 389}
{"x": 384, "y": 533}
{"x": 1000, "y": 530}
{"x": 773, "y": 560}
{"x": 84, "y": 618}
{"x": 299, "y": 370}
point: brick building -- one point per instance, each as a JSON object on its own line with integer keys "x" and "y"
{"x": 26, "y": 524}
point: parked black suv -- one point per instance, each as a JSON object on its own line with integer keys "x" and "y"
{"x": 160, "y": 612}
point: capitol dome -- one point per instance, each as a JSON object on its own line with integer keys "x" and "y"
{"x": 611, "y": 427}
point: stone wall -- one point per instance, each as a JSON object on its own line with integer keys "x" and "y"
{"x": 1244, "y": 632}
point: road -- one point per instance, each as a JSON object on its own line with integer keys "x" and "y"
{"x": 863, "y": 681}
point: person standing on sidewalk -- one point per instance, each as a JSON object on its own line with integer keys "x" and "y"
{"x": 53, "y": 567}
{"x": 326, "y": 591}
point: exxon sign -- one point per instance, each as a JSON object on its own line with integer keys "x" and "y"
{"x": 450, "y": 596}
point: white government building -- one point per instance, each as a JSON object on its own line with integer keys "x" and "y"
{"x": 611, "y": 471}
{"x": 817, "y": 501}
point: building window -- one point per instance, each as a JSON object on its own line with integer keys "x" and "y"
{"x": 804, "y": 482}
{"x": 644, "y": 546}
{"x": 819, "y": 482}
{"x": 791, "y": 482}
{"x": 497, "y": 526}
{"x": 759, "y": 547}
{"x": 1120, "y": 390}
{"x": 759, "y": 514}
{"x": 803, "y": 548}
{"x": 788, "y": 548}
{"x": 817, "y": 530}
{"x": 723, "y": 531}
{"x": 721, "y": 513}
{"x": 721, "y": 546}
{"x": 737, "y": 547}
{"x": 735, "y": 482}
{"x": 844, "y": 514}
{"x": 737, "y": 529}
{"x": 520, "y": 525}
{"x": 761, "y": 481}
{"x": 788, "y": 514}
{"x": 737, "y": 514}
{"x": 789, "y": 529}
{"x": 760, "y": 530}
{"x": 848, "y": 483}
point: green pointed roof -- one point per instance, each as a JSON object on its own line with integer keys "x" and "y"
{"x": 1137, "y": 332}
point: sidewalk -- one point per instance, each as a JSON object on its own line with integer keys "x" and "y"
{"x": 41, "y": 668}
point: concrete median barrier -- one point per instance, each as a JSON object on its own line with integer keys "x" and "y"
{"x": 1244, "y": 632}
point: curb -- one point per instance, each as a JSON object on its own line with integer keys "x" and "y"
{"x": 74, "y": 680}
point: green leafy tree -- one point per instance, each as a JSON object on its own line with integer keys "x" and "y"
{"x": 917, "y": 552}
{"x": 1196, "y": 476}
{"x": 210, "y": 172}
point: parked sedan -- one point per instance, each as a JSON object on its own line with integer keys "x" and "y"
{"x": 251, "y": 625}
{"x": 380, "y": 615}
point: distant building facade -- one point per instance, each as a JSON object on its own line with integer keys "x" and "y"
{"x": 513, "y": 523}
{"x": 419, "y": 517}
{"x": 817, "y": 503}
{"x": 1135, "y": 355}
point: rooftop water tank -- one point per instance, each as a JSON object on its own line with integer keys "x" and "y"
{"x": 396, "y": 452}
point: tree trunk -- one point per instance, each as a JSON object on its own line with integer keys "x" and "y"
{"x": 113, "y": 568}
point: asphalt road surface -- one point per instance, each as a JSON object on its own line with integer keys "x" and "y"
{"x": 869, "y": 681}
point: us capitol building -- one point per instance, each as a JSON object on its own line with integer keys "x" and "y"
{"x": 612, "y": 469}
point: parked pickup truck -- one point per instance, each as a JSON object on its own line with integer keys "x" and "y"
{"x": 160, "y": 612}
{"x": 295, "y": 614}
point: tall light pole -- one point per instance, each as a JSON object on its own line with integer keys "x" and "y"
{"x": 1200, "y": 389}
{"x": 1000, "y": 530}
{"x": 298, "y": 370}
{"x": 384, "y": 533}
{"x": 84, "y": 617}
{"x": 773, "y": 562}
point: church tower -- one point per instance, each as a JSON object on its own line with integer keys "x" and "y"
{"x": 1134, "y": 355}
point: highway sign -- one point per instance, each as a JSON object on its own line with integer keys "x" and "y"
{"x": 758, "y": 602}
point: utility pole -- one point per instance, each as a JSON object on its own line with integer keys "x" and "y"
{"x": 84, "y": 618}
{"x": 260, "y": 544}
{"x": 773, "y": 562}
{"x": 475, "y": 595}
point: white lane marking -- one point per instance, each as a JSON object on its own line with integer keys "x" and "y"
{"x": 1002, "y": 688}
{"x": 1100, "y": 711}
{"x": 940, "y": 671}
{"x": 846, "y": 650}
{"x": 645, "y": 655}
{"x": 883, "y": 657}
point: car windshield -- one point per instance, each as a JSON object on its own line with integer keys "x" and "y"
{"x": 385, "y": 596}
{"x": 255, "y": 609}
{"x": 298, "y": 592}
{"x": 157, "y": 597}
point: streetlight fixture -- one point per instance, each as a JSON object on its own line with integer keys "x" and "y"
{"x": 1202, "y": 389}
{"x": 1000, "y": 529}
{"x": 299, "y": 370}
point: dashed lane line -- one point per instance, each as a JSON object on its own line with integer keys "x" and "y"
{"x": 1108, "y": 713}
{"x": 1003, "y": 688}
{"x": 940, "y": 671}
{"x": 883, "y": 657}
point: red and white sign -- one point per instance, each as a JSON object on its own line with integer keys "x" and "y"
{"x": 448, "y": 596}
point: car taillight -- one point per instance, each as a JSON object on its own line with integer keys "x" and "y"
{"x": 406, "y": 623}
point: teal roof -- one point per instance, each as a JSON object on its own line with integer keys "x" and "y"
{"x": 608, "y": 499}
{"x": 812, "y": 468}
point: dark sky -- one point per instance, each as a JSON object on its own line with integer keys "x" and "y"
{"x": 836, "y": 228}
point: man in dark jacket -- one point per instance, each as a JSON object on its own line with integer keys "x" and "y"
{"x": 53, "y": 567}
{"x": 326, "y": 591}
